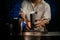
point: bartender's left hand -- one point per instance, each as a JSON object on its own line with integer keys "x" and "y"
{"x": 42, "y": 23}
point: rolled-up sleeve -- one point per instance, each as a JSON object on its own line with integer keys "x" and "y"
{"x": 47, "y": 13}
{"x": 24, "y": 7}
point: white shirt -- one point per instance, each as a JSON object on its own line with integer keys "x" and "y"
{"x": 43, "y": 10}
{"x": 44, "y": 7}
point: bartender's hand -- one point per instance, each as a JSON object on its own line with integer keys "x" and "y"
{"x": 37, "y": 23}
{"x": 44, "y": 22}
{"x": 40, "y": 23}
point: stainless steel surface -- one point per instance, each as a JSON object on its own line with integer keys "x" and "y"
{"x": 40, "y": 34}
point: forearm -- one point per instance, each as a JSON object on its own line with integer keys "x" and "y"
{"x": 22, "y": 16}
{"x": 28, "y": 24}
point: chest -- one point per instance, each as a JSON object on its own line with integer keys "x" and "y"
{"x": 39, "y": 9}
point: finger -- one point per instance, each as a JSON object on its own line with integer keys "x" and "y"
{"x": 42, "y": 25}
{"x": 37, "y": 25}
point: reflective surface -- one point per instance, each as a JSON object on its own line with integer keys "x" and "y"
{"x": 39, "y": 36}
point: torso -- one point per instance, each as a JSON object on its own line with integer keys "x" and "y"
{"x": 40, "y": 8}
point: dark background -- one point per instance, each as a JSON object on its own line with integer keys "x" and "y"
{"x": 10, "y": 9}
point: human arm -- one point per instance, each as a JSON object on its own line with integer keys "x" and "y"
{"x": 47, "y": 16}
